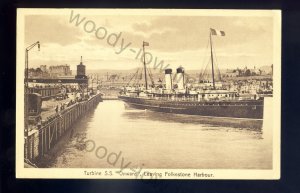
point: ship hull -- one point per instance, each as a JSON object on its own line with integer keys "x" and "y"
{"x": 249, "y": 109}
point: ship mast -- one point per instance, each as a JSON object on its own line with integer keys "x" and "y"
{"x": 212, "y": 61}
{"x": 145, "y": 71}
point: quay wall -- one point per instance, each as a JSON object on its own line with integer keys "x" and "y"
{"x": 40, "y": 140}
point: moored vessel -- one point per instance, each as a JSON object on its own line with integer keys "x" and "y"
{"x": 204, "y": 98}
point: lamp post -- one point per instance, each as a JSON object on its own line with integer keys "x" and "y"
{"x": 26, "y": 84}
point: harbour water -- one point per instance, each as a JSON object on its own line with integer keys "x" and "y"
{"x": 160, "y": 140}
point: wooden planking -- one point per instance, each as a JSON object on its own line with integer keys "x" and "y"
{"x": 48, "y": 135}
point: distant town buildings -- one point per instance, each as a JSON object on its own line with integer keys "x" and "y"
{"x": 51, "y": 72}
{"x": 248, "y": 72}
{"x": 43, "y": 68}
{"x": 232, "y": 73}
{"x": 60, "y": 70}
{"x": 37, "y": 72}
{"x": 250, "y": 86}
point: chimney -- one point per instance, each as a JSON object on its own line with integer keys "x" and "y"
{"x": 180, "y": 78}
{"x": 168, "y": 79}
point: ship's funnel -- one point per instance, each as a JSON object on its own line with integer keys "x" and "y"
{"x": 168, "y": 79}
{"x": 180, "y": 78}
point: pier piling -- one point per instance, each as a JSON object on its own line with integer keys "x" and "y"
{"x": 40, "y": 140}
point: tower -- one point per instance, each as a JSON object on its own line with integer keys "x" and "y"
{"x": 81, "y": 71}
{"x": 81, "y": 77}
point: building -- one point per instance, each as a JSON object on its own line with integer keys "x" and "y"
{"x": 37, "y": 73}
{"x": 44, "y": 68}
{"x": 46, "y": 92}
{"x": 231, "y": 73}
{"x": 81, "y": 71}
{"x": 60, "y": 70}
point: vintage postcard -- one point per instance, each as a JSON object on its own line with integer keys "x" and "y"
{"x": 148, "y": 94}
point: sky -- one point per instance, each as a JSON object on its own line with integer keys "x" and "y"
{"x": 176, "y": 40}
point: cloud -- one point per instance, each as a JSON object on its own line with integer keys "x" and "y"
{"x": 50, "y": 29}
{"x": 143, "y": 27}
{"x": 180, "y": 40}
{"x": 175, "y": 34}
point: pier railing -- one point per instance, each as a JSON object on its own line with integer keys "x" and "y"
{"x": 44, "y": 137}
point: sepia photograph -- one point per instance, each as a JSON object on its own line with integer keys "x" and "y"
{"x": 148, "y": 94}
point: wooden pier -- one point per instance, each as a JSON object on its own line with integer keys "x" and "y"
{"x": 40, "y": 140}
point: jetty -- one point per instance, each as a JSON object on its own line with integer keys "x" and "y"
{"x": 44, "y": 137}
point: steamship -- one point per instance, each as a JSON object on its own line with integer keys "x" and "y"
{"x": 208, "y": 99}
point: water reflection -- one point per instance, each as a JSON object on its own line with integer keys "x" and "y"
{"x": 194, "y": 119}
{"x": 163, "y": 140}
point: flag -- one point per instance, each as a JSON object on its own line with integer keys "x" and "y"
{"x": 217, "y": 32}
{"x": 145, "y": 43}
